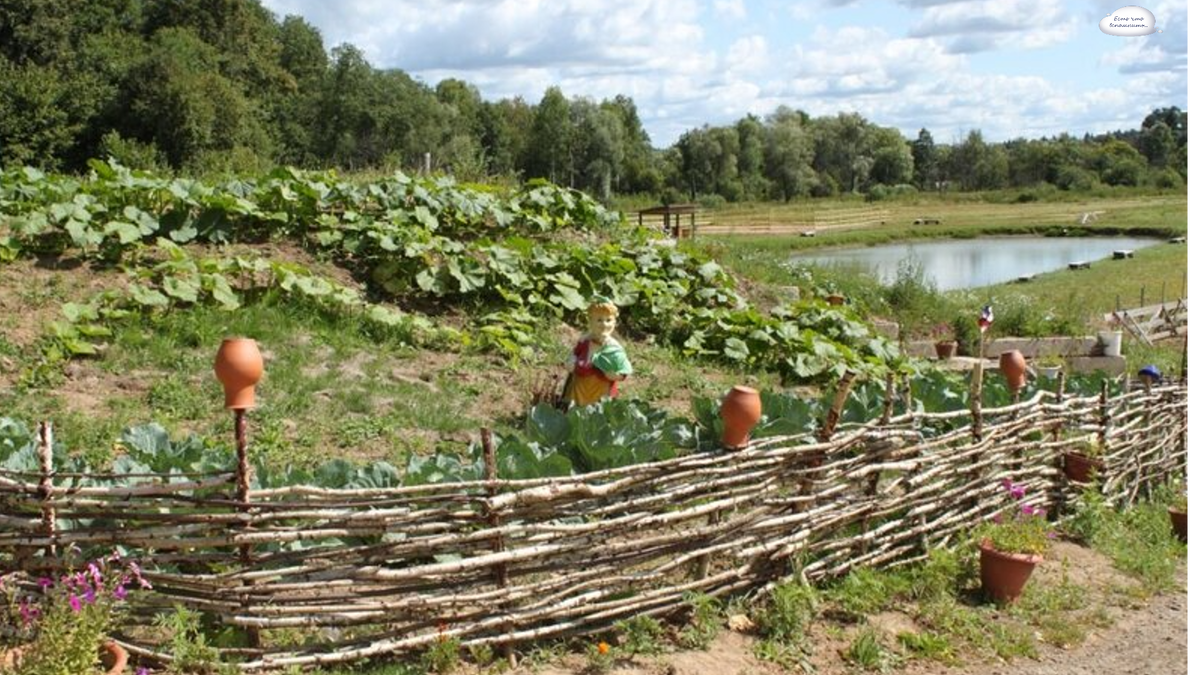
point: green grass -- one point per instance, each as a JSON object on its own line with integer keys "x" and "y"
{"x": 328, "y": 384}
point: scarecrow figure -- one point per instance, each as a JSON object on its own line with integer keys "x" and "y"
{"x": 598, "y": 360}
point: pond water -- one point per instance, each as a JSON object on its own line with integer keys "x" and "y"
{"x": 966, "y": 263}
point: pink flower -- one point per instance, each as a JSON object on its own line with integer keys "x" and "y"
{"x": 89, "y": 596}
{"x": 73, "y": 601}
{"x": 120, "y": 592}
{"x": 28, "y": 612}
{"x": 143, "y": 670}
{"x": 45, "y": 582}
{"x": 1017, "y": 491}
{"x": 1007, "y": 483}
{"x": 97, "y": 578}
{"x": 1026, "y": 510}
{"x": 998, "y": 518}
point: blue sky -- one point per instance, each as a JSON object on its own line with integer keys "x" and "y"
{"x": 1011, "y": 68}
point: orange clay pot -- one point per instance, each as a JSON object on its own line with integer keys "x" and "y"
{"x": 239, "y": 367}
{"x": 1003, "y": 575}
{"x": 1012, "y": 364}
{"x": 112, "y": 655}
{"x": 741, "y": 410}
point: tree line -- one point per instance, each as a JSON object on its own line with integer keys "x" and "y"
{"x": 226, "y": 86}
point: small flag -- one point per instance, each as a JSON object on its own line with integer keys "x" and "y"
{"x": 986, "y": 318}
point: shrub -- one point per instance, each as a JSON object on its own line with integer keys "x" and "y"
{"x": 1075, "y": 179}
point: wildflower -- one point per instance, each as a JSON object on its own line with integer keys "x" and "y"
{"x": 120, "y": 592}
{"x": 45, "y": 582}
{"x": 1026, "y": 510}
{"x": 94, "y": 571}
{"x": 28, "y": 612}
{"x": 602, "y": 648}
{"x": 143, "y": 670}
{"x": 73, "y": 601}
{"x": 89, "y": 596}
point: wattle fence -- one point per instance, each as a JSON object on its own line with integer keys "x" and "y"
{"x": 320, "y": 576}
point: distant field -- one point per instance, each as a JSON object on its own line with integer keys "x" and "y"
{"x": 1164, "y": 213}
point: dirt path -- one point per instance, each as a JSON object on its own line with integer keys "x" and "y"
{"x": 1150, "y": 639}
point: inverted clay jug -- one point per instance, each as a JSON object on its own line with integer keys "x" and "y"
{"x": 239, "y": 367}
{"x": 1012, "y": 364}
{"x": 740, "y": 411}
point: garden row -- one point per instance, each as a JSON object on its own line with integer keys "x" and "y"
{"x": 510, "y": 263}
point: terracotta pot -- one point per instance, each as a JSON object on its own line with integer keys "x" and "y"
{"x": 1012, "y": 364}
{"x": 945, "y": 349}
{"x": 239, "y": 366}
{"x": 1179, "y": 524}
{"x": 112, "y": 655}
{"x": 1081, "y": 468}
{"x": 10, "y": 658}
{"x": 835, "y": 299}
{"x": 740, "y": 411}
{"x": 1004, "y": 574}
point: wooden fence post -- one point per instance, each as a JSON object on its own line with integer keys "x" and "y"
{"x": 500, "y": 571}
{"x": 245, "y": 551}
{"x": 976, "y": 402}
{"x": 1060, "y": 391}
{"x": 1102, "y": 434}
{"x": 872, "y": 486}
{"x": 46, "y": 485}
{"x": 835, "y": 411}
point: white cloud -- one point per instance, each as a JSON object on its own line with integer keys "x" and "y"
{"x": 915, "y": 72}
{"x": 748, "y": 54}
{"x": 733, "y": 9}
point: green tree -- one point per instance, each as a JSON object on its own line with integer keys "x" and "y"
{"x": 789, "y": 154}
{"x": 751, "y": 159}
{"x": 1158, "y": 142}
{"x": 892, "y": 159}
{"x": 548, "y": 150}
{"x": 927, "y": 171}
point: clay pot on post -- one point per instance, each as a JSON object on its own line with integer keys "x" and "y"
{"x": 945, "y": 349}
{"x": 740, "y": 411}
{"x": 239, "y": 367}
{"x": 1004, "y": 574}
{"x": 1012, "y": 364}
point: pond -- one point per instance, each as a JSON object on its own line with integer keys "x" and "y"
{"x": 967, "y": 263}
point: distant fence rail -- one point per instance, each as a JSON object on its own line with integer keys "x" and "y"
{"x": 1153, "y": 322}
{"x": 768, "y": 221}
{"x": 374, "y": 571}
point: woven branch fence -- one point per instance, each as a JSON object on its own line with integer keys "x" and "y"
{"x": 364, "y": 572}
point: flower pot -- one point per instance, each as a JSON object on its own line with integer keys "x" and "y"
{"x": 1012, "y": 364}
{"x": 239, "y": 366}
{"x": 1004, "y": 574}
{"x": 10, "y": 658}
{"x": 740, "y": 411}
{"x": 1049, "y": 372}
{"x": 945, "y": 349}
{"x": 1179, "y": 524}
{"x": 1081, "y": 468}
{"x": 112, "y": 655}
{"x": 1110, "y": 341}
